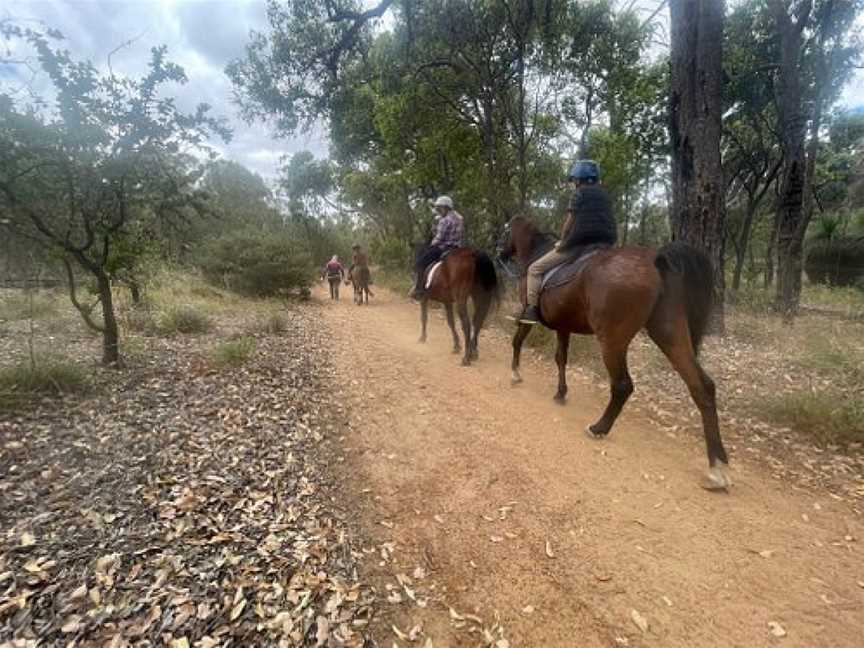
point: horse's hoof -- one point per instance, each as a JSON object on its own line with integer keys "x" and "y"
{"x": 560, "y": 399}
{"x": 515, "y": 379}
{"x": 716, "y": 479}
{"x": 594, "y": 436}
{"x": 466, "y": 362}
{"x": 456, "y": 350}
{"x": 422, "y": 340}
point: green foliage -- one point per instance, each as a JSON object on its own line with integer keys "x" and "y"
{"x": 96, "y": 179}
{"x": 185, "y": 319}
{"x": 256, "y": 265}
{"x": 233, "y": 353}
{"x": 393, "y": 254}
{"x": 838, "y": 261}
{"x": 23, "y": 382}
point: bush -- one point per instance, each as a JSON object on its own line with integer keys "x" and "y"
{"x": 22, "y": 382}
{"x": 256, "y": 265}
{"x": 393, "y": 254}
{"x": 838, "y": 262}
{"x": 183, "y": 319}
{"x": 233, "y": 353}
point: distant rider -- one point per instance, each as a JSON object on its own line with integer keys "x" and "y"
{"x": 334, "y": 272}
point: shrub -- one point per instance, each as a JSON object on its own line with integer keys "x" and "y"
{"x": 23, "y": 382}
{"x": 393, "y": 254}
{"x": 839, "y": 261}
{"x": 183, "y": 319}
{"x": 233, "y": 353}
{"x": 256, "y": 265}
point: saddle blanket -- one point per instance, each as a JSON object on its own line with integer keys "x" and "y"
{"x": 561, "y": 274}
{"x": 430, "y": 273}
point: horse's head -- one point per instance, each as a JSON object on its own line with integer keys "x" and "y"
{"x": 515, "y": 238}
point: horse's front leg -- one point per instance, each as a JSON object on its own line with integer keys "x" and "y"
{"x": 451, "y": 322}
{"x": 521, "y": 333}
{"x": 424, "y": 317}
{"x": 561, "y": 360}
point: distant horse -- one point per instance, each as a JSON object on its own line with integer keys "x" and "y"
{"x": 360, "y": 279}
{"x": 615, "y": 293}
{"x": 464, "y": 273}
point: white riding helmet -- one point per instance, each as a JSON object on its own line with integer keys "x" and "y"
{"x": 444, "y": 201}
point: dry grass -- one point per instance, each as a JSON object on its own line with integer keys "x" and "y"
{"x": 19, "y": 305}
{"x": 22, "y": 383}
{"x": 827, "y": 418}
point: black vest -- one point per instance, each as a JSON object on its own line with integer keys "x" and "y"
{"x": 593, "y": 222}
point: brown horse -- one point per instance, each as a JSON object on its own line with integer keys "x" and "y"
{"x": 361, "y": 278}
{"x": 464, "y": 274}
{"x": 616, "y": 293}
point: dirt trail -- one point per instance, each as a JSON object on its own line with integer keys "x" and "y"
{"x": 437, "y": 449}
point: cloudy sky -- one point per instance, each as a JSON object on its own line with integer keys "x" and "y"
{"x": 202, "y": 36}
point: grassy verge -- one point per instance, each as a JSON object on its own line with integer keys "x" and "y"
{"x": 22, "y": 383}
{"x": 828, "y": 418}
{"x": 18, "y": 305}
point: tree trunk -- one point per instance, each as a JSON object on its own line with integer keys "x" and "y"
{"x": 792, "y": 121}
{"x": 698, "y": 210}
{"x": 743, "y": 244}
{"x": 110, "y": 334}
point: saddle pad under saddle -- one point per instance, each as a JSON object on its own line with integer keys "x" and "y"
{"x": 561, "y": 274}
{"x": 431, "y": 272}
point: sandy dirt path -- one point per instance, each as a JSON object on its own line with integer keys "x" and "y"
{"x": 513, "y": 516}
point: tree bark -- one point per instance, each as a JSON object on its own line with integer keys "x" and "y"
{"x": 790, "y": 206}
{"x": 698, "y": 211}
{"x": 110, "y": 333}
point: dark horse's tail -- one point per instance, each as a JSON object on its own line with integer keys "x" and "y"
{"x": 487, "y": 288}
{"x": 689, "y": 277}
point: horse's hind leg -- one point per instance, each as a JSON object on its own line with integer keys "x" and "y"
{"x": 481, "y": 310}
{"x": 424, "y": 318}
{"x": 680, "y": 352}
{"x": 519, "y": 337}
{"x": 462, "y": 308}
{"x": 451, "y": 322}
{"x": 561, "y": 360}
{"x": 620, "y": 386}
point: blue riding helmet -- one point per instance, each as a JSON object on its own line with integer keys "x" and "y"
{"x": 584, "y": 170}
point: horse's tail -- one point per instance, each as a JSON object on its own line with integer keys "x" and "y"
{"x": 487, "y": 289}
{"x": 688, "y": 277}
{"x": 486, "y": 278}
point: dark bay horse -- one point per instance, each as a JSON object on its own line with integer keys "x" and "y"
{"x": 360, "y": 279}
{"x": 464, "y": 274}
{"x": 617, "y": 293}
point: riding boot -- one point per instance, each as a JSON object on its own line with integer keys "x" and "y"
{"x": 531, "y": 315}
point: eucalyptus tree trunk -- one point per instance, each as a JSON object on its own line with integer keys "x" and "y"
{"x": 698, "y": 210}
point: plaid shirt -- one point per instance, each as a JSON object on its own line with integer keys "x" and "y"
{"x": 449, "y": 232}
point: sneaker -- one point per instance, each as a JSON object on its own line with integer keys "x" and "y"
{"x": 531, "y": 315}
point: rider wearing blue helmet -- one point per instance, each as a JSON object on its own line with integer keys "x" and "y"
{"x": 589, "y": 223}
